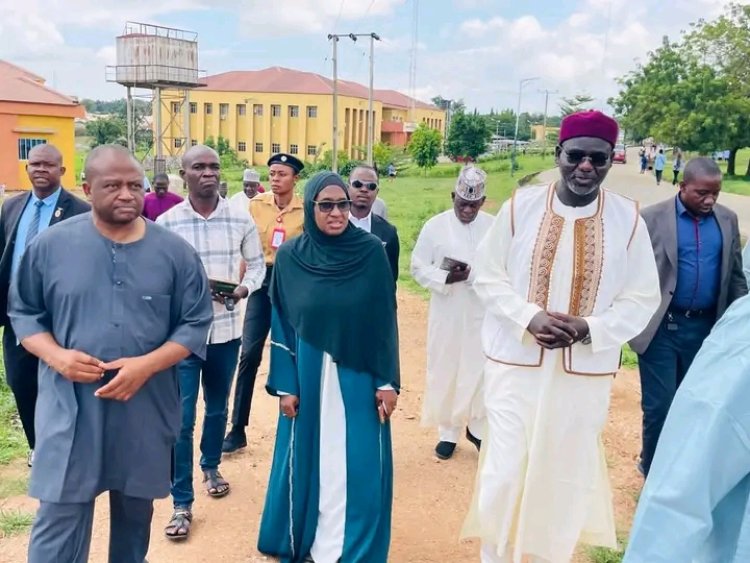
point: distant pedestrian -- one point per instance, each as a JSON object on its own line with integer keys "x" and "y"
{"x": 660, "y": 162}
{"x": 391, "y": 171}
{"x": 644, "y": 160}
{"x": 676, "y": 166}
{"x": 161, "y": 199}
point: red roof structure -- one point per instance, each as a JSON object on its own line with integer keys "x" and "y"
{"x": 288, "y": 81}
{"x": 19, "y": 85}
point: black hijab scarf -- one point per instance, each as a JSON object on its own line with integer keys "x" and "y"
{"x": 337, "y": 292}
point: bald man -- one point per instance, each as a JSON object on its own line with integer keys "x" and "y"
{"x": 224, "y": 237}
{"x": 21, "y": 219}
{"x": 110, "y": 303}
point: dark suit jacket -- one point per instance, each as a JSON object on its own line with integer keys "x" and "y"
{"x": 661, "y": 220}
{"x": 388, "y": 234}
{"x": 68, "y": 206}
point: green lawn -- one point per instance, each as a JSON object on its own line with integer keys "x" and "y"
{"x": 12, "y": 440}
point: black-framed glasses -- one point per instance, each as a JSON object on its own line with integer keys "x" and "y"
{"x": 327, "y": 206}
{"x": 576, "y": 156}
{"x": 372, "y": 186}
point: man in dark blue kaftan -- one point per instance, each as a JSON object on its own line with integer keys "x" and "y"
{"x": 110, "y": 303}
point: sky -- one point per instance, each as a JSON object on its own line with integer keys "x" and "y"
{"x": 475, "y": 50}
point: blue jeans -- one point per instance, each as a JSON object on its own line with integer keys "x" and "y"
{"x": 663, "y": 367}
{"x": 218, "y": 372}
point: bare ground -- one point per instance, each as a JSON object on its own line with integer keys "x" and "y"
{"x": 431, "y": 497}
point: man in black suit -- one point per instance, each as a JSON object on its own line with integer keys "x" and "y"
{"x": 363, "y": 191}
{"x": 21, "y": 219}
{"x": 697, "y": 248}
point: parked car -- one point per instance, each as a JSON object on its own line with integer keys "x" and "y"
{"x": 620, "y": 154}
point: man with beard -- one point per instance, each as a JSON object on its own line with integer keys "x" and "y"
{"x": 567, "y": 275}
{"x": 279, "y": 216}
{"x": 442, "y": 262}
{"x": 22, "y": 218}
{"x": 161, "y": 199}
{"x": 363, "y": 191}
{"x": 225, "y": 238}
{"x": 109, "y": 303}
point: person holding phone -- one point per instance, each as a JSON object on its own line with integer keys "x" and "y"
{"x": 331, "y": 485}
{"x": 441, "y": 263}
{"x": 224, "y": 237}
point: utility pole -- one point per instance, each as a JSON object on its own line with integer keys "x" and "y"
{"x": 521, "y": 84}
{"x": 334, "y": 164}
{"x": 544, "y": 127}
{"x": 370, "y": 115}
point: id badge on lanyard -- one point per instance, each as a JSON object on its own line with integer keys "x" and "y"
{"x": 278, "y": 236}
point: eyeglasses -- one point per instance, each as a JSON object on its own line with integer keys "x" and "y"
{"x": 327, "y": 206}
{"x": 576, "y": 156}
{"x": 372, "y": 186}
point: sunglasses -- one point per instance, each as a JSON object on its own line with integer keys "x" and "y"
{"x": 597, "y": 158}
{"x": 327, "y": 206}
{"x": 372, "y": 186}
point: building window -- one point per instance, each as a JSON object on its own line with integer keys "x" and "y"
{"x": 258, "y": 147}
{"x": 223, "y": 110}
{"x": 241, "y": 109}
{"x": 293, "y": 149}
{"x": 175, "y": 107}
{"x": 241, "y": 146}
{"x": 275, "y": 110}
{"x": 312, "y": 150}
{"x": 193, "y": 107}
{"x": 193, "y": 142}
{"x": 258, "y": 110}
{"x": 293, "y": 111}
{"x": 209, "y": 108}
{"x": 275, "y": 148}
{"x": 25, "y": 145}
{"x": 177, "y": 143}
{"x": 312, "y": 111}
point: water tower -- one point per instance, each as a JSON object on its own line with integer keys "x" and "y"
{"x": 164, "y": 61}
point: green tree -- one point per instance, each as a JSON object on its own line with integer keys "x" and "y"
{"x": 424, "y": 146}
{"x": 107, "y": 130}
{"x": 382, "y": 155}
{"x": 578, "y": 102}
{"x": 468, "y": 136}
{"x": 689, "y": 93}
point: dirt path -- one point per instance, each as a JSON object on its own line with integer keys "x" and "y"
{"x": 431, "y": 497}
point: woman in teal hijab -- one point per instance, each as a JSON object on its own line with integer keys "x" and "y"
{"x": 334, "y": 367}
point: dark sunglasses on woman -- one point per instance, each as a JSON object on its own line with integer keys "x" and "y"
{"x": 327, "y": 206}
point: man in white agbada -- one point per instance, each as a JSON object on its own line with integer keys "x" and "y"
{"x": 442, "y": 262}
{"x": 567, "y": 275}
{"x": 250, "y": 188}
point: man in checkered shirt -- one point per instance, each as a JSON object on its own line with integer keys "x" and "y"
{"x": 224, "y": 237}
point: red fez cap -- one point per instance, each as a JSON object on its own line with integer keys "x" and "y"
{"x": 589, "y": 123}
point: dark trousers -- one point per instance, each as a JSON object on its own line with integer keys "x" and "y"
{"x": 215, "y": 375}
{"x": 21, "y": 372}
{"x": 659, "y": 174}
{"x": 676, "y": 176}
{"x": 663, "y": 367}
{"x": 62, "y": 531}
{"x": 254, "y": 334}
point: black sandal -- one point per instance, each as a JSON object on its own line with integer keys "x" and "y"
{"x": 216, "y": 483}
{"x": 181, "y": 519}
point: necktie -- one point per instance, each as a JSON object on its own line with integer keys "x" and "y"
{"x": 34, "y": 225}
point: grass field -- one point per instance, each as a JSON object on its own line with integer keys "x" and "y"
{"x": 12, "y": 440}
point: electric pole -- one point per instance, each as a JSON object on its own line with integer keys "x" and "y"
{"x": 521, "y": 84}
{"x": 334, "y": 164}
{"x": 370, "y": 115}
{"x": 544, "y": 127}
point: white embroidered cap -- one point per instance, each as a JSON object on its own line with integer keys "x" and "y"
{"x": 250, "y": 175}
{"x": 471, "y": 182}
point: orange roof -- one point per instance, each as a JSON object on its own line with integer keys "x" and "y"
{"x": 19, "y": 85}
{"x": 288, "y": 81}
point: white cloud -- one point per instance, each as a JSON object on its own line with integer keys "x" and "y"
{"x": 291, "y": 17}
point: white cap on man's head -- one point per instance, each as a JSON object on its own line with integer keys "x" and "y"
{"x": 471, "y": 183}
{"x": 250, "y": 175}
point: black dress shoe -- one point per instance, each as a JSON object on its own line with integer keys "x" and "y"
{"x": 444, "y": 450}
{"x": 473, "y": 439}
{"x": 234, "y": 441}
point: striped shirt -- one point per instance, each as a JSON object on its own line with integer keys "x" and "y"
{"x": 223, "y": 240}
